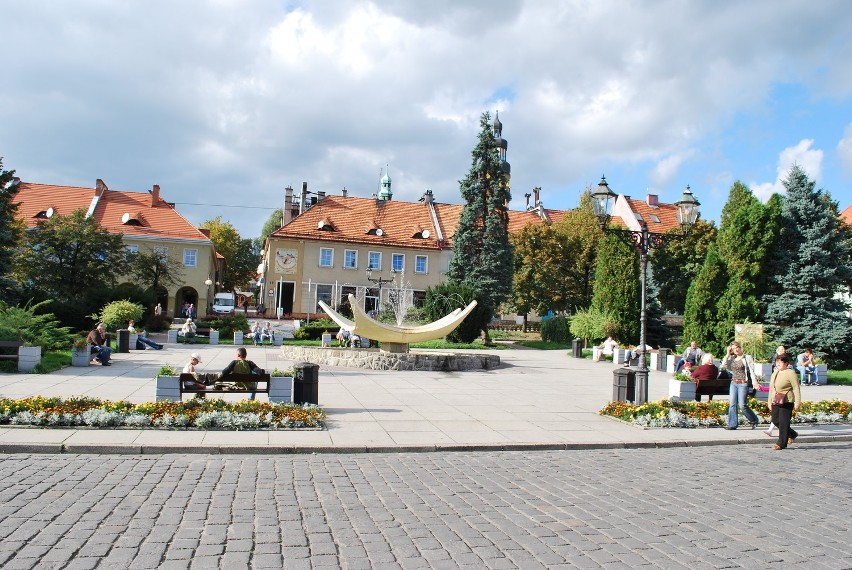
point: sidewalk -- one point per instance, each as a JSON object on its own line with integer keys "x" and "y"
{"x": 535, "y": 400}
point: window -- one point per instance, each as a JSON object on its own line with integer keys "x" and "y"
{"x": 398, "y": 262}
{"x": 132, "y": 248}
{"x": 655, "y": 218}
{"x": 324, "y": 295}
{"x": 326, "y": 258}
{"x": 190, "y": 257}
{"x": 421, "y": 264}
{"x": 374, "y": 261}
{"x": 162, "y": 252}
{"x": 350, "y": 259}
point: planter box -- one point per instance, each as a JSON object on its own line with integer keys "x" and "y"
{"x": 168, "y": 388}
{"x": 238, "y": 339}
{"x": 671, "y": 362}
{"x": 28, "y": 358}
{"x": 172, "y": 336}
{"x": 822, "y": 374}
{"x": 81, "y": 358}
{"x": 326, "y": 340}
{"x": 763, "y": 369}
{"x": 278, "y": 340}
{"x": 214, "y": 337}
{"x": 280, "y": 389}
{"x": 681, "y": 390}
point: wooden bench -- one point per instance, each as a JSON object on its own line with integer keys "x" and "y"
{"x": 278, "y": 389}
{"x": 202, "y": 332}
{"x": 10, "y": 344}
{"x": 710, "y": 388}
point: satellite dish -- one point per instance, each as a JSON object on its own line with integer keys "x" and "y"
{"x": 426, "y": 234}
{"x": 125, "y": 217}
{"x": 379, "y": 232}
{"x": 321, "y": 224}
{"x": 49, "y": 212}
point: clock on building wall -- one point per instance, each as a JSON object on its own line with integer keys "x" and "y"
{"x": 286, "y": 261}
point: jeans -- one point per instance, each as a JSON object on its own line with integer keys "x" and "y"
{"x": 102, "y": 353}
{"x": 737, "y": 395}
{"x": 803, "y": 373}
{"x": 143, "y": 340}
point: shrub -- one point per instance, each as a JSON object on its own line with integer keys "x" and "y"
{"x": 226, "y": 325}
{"x": 158, "y": 323}
{"x": 556, "y": 330}
{"x": 23, "y": 324}
{"x": 117, "y": 313}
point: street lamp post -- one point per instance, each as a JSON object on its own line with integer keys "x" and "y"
{"x": 643, "y": 241}
{"x": 208, "y": 282}
{"x": 378, "y": 281}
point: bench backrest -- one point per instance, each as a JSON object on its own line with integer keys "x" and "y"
{"x": 10, "y": 343}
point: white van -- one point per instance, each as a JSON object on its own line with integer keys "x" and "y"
{"x": 224, "y": 303}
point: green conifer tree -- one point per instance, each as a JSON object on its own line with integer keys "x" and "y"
{"x": 699, "y": 313}
{"x": 616, "y": 288}
{"x": 482, "y": 254}
{"x": 11, "y": 230}
{"x": 815, "y": 248}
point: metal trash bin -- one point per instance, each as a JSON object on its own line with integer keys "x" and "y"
{"x": 623, "y": 385}
{"x": 577, "y": 348}
{"x": 662, "y": 358}
{"x": 306, "y": 383}
{"x": 123, "y": 340}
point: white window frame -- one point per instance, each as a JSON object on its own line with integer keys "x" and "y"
{"x": 190, "y": 253}
{"x": 370, "y": 264}
{"x": 394, "y": 257}
{"x": 346, "y": 253}
{"x": 425, "y": 259}
{"x": 330, "y": 256}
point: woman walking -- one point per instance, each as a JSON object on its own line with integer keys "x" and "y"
{"x": 784, "y": 388}
{"x": 741, "y": 367}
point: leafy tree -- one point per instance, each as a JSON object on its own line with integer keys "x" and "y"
{"x": 582, "y": 236}
{"x": 699, "y": 313}
{"x": 11, "y": 230}
{"x": 482, "y": 254}
{"x": 591, "y": 324}
{"x": 67, "y": 255}
{"x": 677, "y": 264}
{"x": 540, "y": 264}
{"x": 271, "y": 224}
{"x": 616, "y": 289}
{"x": 747, "y": 234}
{"x": 815, "y": 246}
{"x": 236, "y": 251}
{"x": 154, "y": 269}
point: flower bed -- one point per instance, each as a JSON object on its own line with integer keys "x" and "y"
{"x": 668, "y": 413}
{"x": 197, "y": 413}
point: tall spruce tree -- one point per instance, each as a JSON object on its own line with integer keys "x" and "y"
{"x": 699, "y": 313}
{"x": 815, "y": 248}
{"x": 482, "y": 254}
{"x": 616, "y": 288}
{"x": 747, "y": 234}
{"x": 11, "y": 230}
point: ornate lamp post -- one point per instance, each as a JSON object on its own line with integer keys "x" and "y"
{"x": 208, "y": 282}
{"x": 643, "y": 241}
{"x": 378, "y": 281}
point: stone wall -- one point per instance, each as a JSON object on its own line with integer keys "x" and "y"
{"x": 374, "y": 359}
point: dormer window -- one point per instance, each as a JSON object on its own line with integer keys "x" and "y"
{"x": 423, "y": 234}
{"x": 655, "y": 218}
{"x": 325, "y": 225}
{"x": 129, "y": 219}
{"x": 44, "y": 214}
{"x": 375, "y": 232}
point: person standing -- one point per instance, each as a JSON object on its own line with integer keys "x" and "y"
{"x": 97, "y": 338}
{"x": 785, "y": 385}
{"x": 158, "y": 310}
{"x": 741, "y": 367}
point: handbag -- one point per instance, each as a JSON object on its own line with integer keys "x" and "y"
{"x": 780, "y": 399}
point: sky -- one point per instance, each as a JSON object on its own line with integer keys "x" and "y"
{"x": 225, "y": 103}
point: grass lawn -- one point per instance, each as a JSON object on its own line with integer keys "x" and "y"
{"x": 841, "y": 377}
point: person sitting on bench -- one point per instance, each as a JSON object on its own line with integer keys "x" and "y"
{"x": 188, "y": 329}
{"x": 100, "y": 349}
{"x": 241, "y": 365}
{"x": 142, "y": 338}
{"x": 194, "y": 359}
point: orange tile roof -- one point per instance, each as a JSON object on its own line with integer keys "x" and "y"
{"x": 665, "y": 213}
{"x": 352, "y": 218}
{"x": 846, "y": 215}
{"x": 160, "y": 221}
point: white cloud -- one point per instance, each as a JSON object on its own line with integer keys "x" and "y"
{"x": 666, "y": 170}
{"x": 807, "y": 158}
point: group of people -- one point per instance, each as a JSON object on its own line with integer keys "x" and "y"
{"x": 100, "y": 350}
{"x": 240, "y": 365}
{"x": 260, "y": 333}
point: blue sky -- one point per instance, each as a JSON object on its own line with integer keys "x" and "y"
{"x": 224, "y": 104}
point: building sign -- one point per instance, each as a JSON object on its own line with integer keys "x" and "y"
{"x": 286, "y": 261}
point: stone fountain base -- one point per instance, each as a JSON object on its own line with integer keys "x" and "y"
{"x": 374, "y": 359}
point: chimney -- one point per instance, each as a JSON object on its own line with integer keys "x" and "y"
{"x": 345, "y": 192}
{"x": 653, "y": 200}
{"x": 527, "y": 196}
{"x": 288, "y": 206}
{"x": 205, "y": 231}
{"x": 304, "y": 201}
{"x": 536, "y": 192}
{"x": 100, "y": 188}
{"x": 155, "y": 195}
{"x": 321, "y": 195}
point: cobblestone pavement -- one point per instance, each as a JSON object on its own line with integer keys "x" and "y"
{"x": 700, "y": 507}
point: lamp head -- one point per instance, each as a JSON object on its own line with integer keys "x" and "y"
{"x": 687, "y": 209}
{"x": 602, "y": 199}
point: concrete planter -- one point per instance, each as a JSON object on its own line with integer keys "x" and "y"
{"x": 280, "y": 389}
{"x": 278, "y": 340}
{"x": 172, "y": 336}
{"x": 168, "y": 388}
{"x": 326, "y": 340}
{"x": 681, "y": 390}
{"x": 28, "y": 358}
{"x": 238, "y": 338}
{"x": 81, "y": 357}
{"x": 763, "y": 369}
{"x": 214, "y": 337}
{"x": 133, "y": 339}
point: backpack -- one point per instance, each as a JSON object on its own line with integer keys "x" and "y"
{"x": 242, "y": 367}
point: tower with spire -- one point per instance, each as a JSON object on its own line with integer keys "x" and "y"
{"x": 502, "y": 145}
{"x": 385, "y": 187}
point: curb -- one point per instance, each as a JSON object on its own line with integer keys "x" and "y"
{"x": 132, "y": 449}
